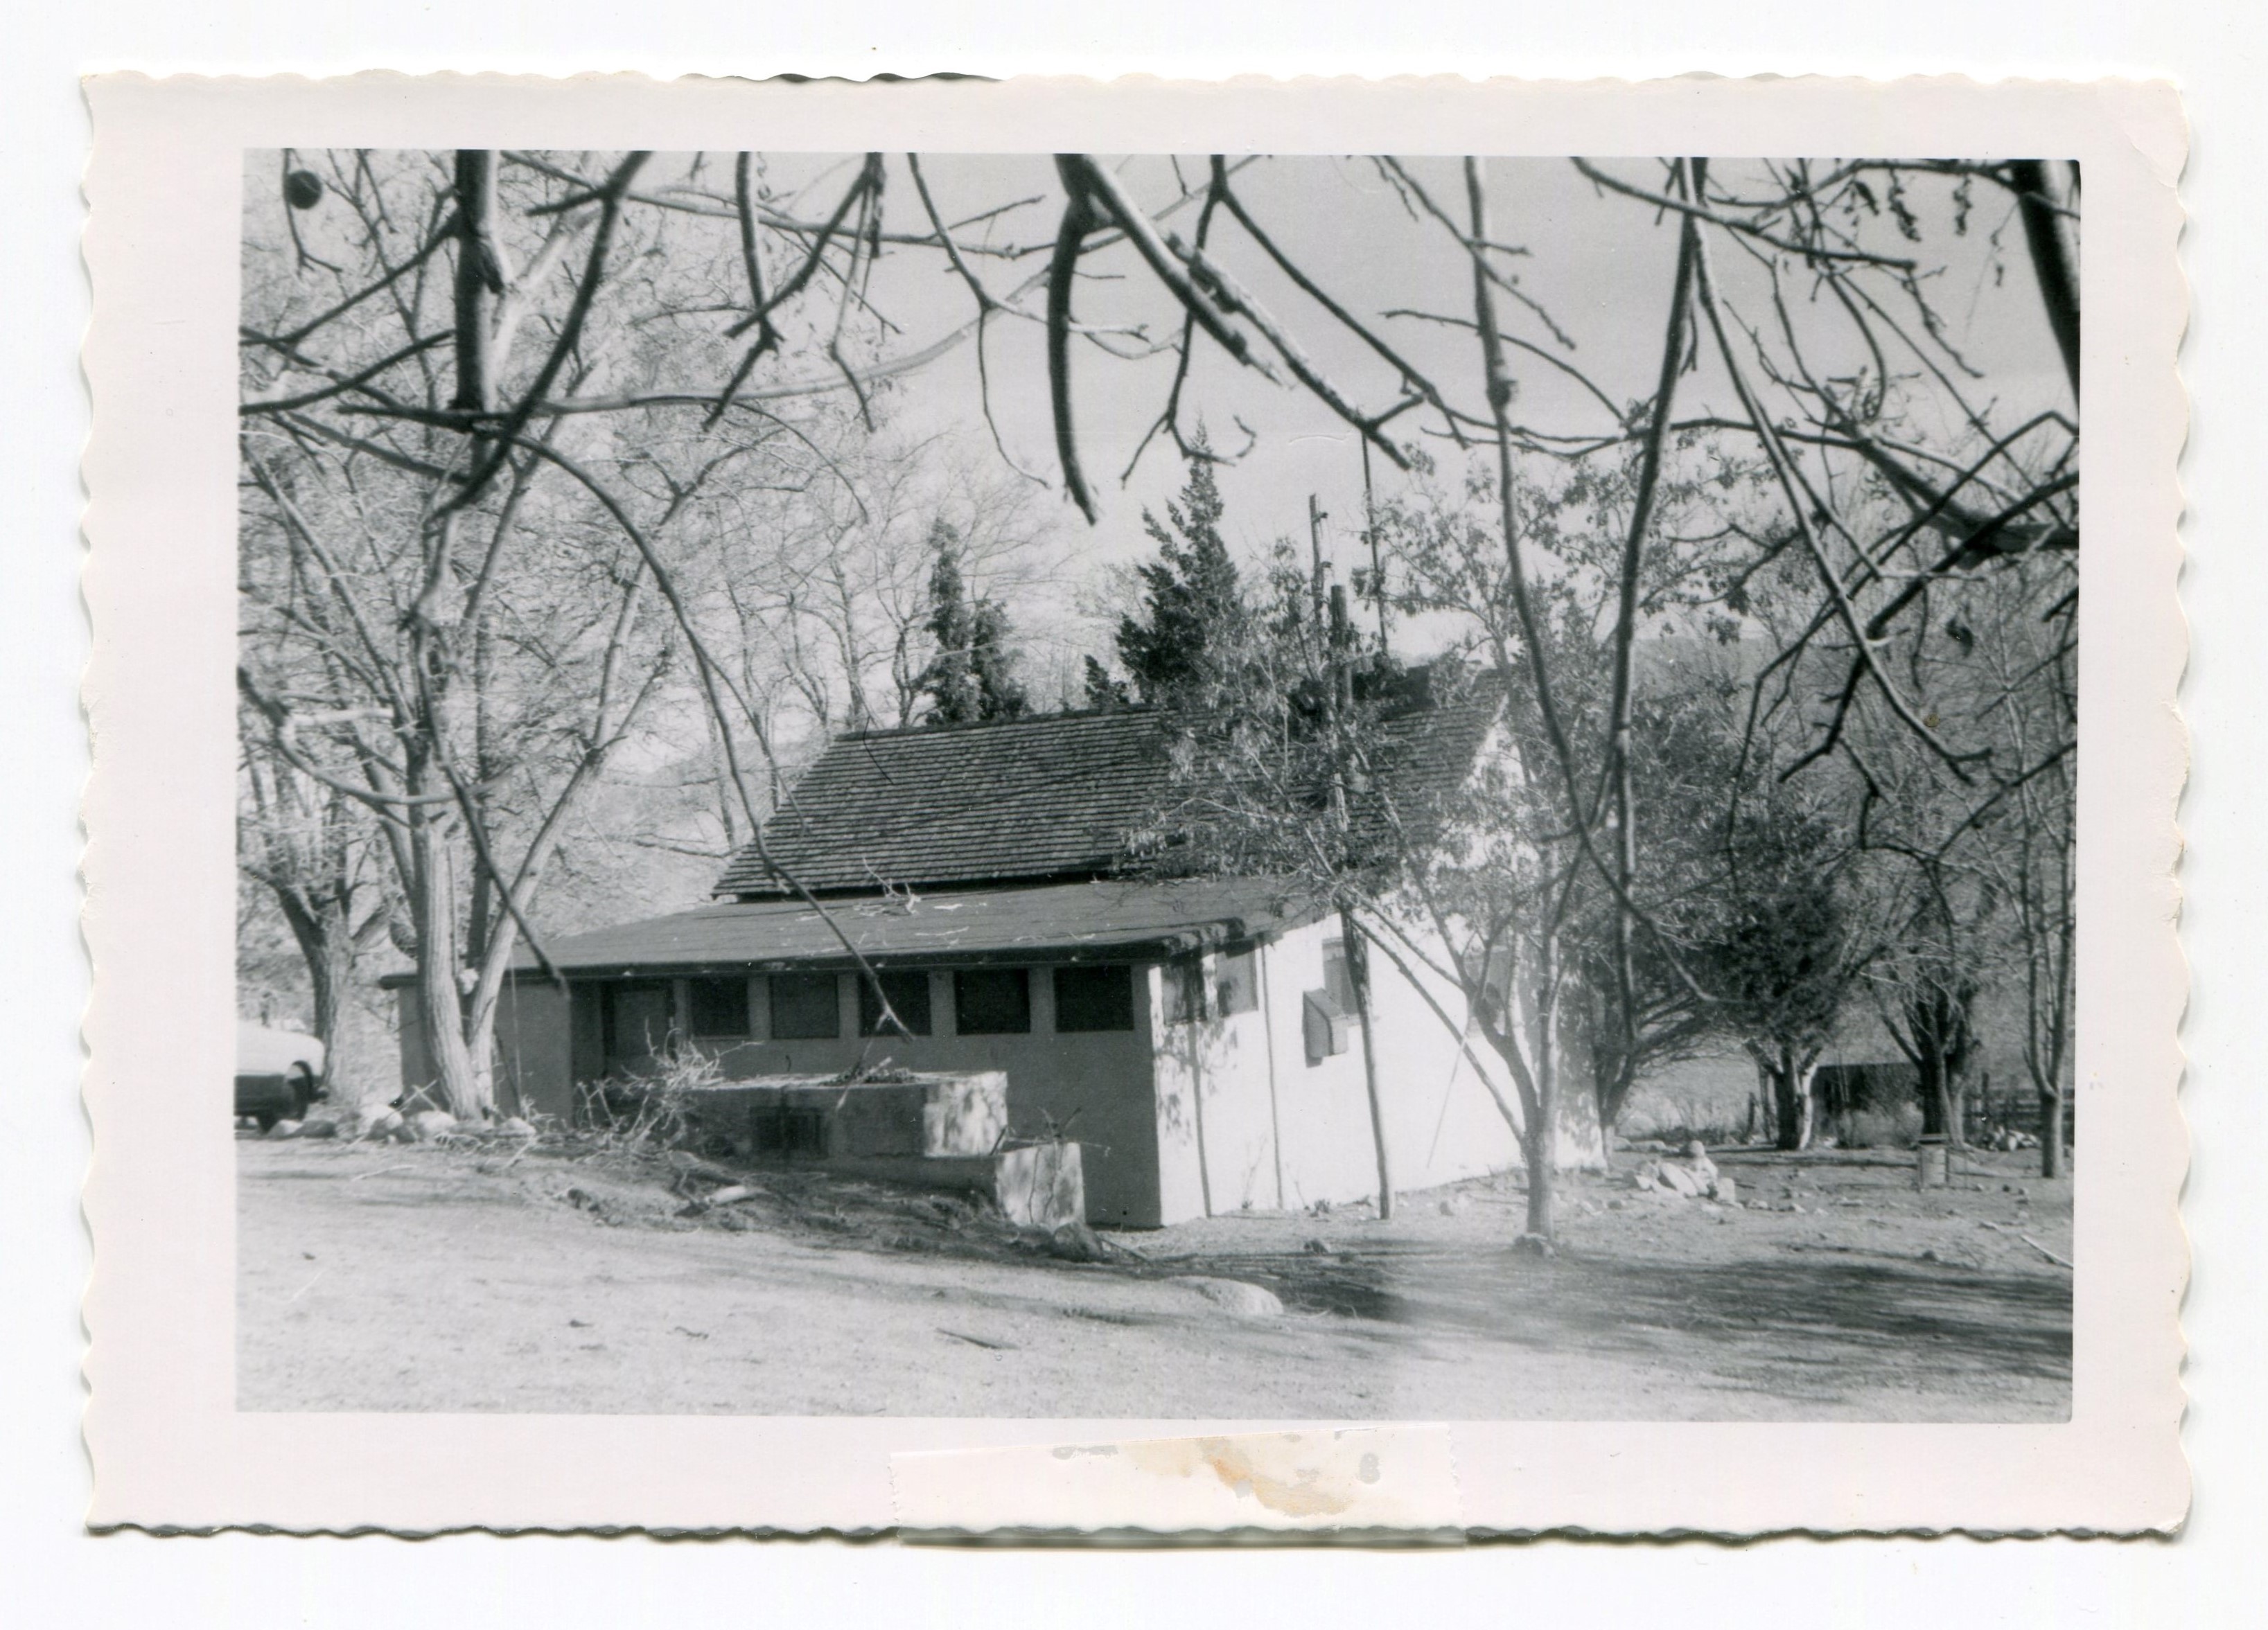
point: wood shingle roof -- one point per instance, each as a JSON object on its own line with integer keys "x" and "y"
{"x": 1059, "y": 798}
{"x": 1025, "y": 800}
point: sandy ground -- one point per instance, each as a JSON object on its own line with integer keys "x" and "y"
{"x": 430, "y": 1278}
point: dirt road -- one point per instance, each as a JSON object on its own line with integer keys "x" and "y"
{"x": 425, "y": 1279}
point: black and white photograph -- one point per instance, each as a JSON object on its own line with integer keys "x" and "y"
{"x": 1110, "y": 785}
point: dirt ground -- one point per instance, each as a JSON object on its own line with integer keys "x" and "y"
{"x": 432, "y": 1279}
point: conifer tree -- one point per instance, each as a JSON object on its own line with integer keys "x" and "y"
{"x": 972, "y": 678}
{"x": 1183, "y": 649}
{"x": 1103, "y": 691}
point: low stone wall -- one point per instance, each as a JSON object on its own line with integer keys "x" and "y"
{"x": 927, "y": 1131}
{"x": 1036, "y": 1185}
{"x": 819, "y": 1118}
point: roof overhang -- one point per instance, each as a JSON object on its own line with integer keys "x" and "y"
{"x": 1079, "y": 922}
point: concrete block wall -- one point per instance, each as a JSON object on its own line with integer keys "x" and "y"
{"x": 1094, "y": 1089}
{"x": 929, "y": 1117}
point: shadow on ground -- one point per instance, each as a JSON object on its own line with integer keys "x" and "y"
{"x": 2018, "y": 1323}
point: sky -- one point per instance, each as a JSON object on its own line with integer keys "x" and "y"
{"x": 1600, "y": 266}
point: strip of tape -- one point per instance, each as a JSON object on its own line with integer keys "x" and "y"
{"x": 1396, "y": 1482}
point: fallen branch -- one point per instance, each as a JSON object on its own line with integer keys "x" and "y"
{"x": 2049, "y": 1255}
{"x": 996, "y": 1346}
{"x": 690, "y": 1165}
{"x": 379, "y": 1172}
{"x": 2002, "y": 1228}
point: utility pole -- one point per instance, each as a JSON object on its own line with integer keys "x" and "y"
{"x": 1333, "y": 630}
{"x": 1370, "y": 534}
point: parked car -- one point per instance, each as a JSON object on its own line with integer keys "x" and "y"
{"x": 278, "y": 1074}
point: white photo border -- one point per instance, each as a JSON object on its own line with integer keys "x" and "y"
{"x": 170, "y": 1448}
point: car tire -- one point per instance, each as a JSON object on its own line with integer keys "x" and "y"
{"x": 265, "y": 1120}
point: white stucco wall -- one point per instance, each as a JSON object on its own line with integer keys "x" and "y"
{"x": 1232, "y": 1134}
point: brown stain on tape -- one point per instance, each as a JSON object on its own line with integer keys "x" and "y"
{"x": 1292, "y": 1474}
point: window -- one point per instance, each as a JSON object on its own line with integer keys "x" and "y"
{"x": 908, "y": 995}
{"x": 1323, "y": 1028}
{"x": 1185, "y": 990}
{"x": 992, "y": 1002}
{"x": 719, "y": 1006}
{"x": 1338, "y": 978}
{"x": 1093, "y": 999}
{"x": 1236, "y": 982}
{"x": 1327, "y": 1017}
{"x": 636, "y": 1025}
{"x": 804, "y": 1007}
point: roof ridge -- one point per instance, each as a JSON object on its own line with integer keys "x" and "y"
{"x": 1062, "y": 715}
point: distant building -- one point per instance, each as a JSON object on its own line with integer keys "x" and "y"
{"x": 1196, "y": 1037}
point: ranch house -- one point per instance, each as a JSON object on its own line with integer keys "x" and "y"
{"x": 1198, "y": 1039}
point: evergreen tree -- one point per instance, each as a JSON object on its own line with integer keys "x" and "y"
{"x": 1183, "y": 649}
{"x": 1104, "y": 692}
{"x": 972, "y": 678}
{"x": 992, "y": 662}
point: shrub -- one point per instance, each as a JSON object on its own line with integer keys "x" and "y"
{"x": 1878, "y": 1128}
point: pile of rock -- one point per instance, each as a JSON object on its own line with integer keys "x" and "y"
{"x": 2008, "y": 1139}
{"x": 383, "y": 1123}
{"x": 1693, "y": 1176}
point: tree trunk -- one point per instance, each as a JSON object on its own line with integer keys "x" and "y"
{"x": 1358, "y": 975}
{"x": 1942, "y": 1044}
{"x": 331, "y": 977}
{"x": 440, "y": 1002}
{"x": 1541, "y": 1180}
{"x": 1788, "y": 1087}
{"x": 325, "y": 935}
{"x": 2052, "y": 1132}
{"x": 1541, "y": 1145}
{"x": 480, "y": 1052}
{"x": 1937, "y": 1079}
{"x": 1779, "y": 1077}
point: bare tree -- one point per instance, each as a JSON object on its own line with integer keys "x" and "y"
{"x": 310, "y": 849}
{"x": 458, "y": 675}
{"x": 508, "y": 321}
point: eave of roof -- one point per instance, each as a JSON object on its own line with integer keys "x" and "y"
{"x": 1095, "y": 921}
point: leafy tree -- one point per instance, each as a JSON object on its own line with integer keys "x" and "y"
{"x": 1944, "y": 940}
{"x": 1538, "y": 899}
{"x": 1780, "y": 947}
